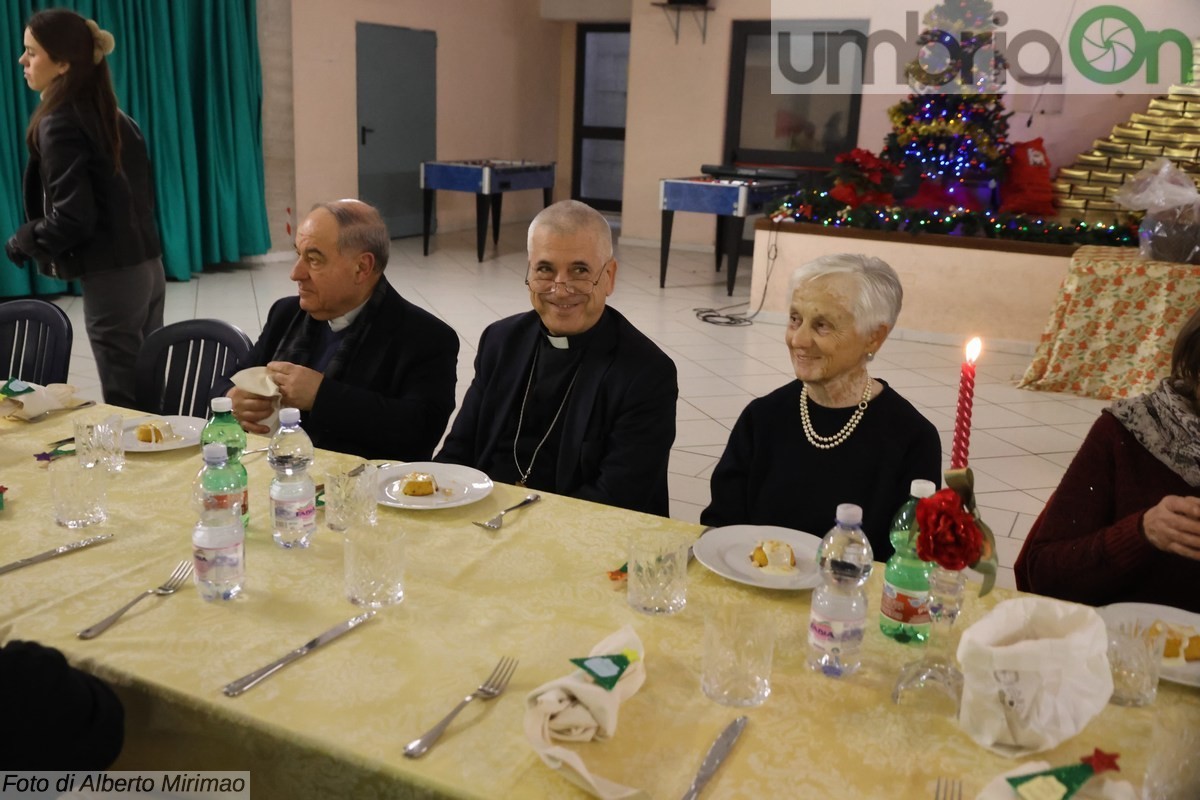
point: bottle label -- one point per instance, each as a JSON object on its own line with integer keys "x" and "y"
{"x": 246, "y": 505}
{"x": 834, "y": 636}
{"x": 296, "y": 518}
{"x": 217, "y": 564}
{"x": 904, "y": 605}
{"x": 215, "y": 502}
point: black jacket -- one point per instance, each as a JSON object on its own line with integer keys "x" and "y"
{"x": 389, "y": 397}
{"x": 618, "y": 424}
{"x": 53, "y": 716}
{"x": 83, "y": 217}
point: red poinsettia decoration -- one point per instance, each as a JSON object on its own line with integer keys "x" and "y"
{"x": 863, "y": 177}
{"x": 948, "y": 532}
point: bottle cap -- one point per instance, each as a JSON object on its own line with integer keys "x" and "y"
{"x": 222, "y": 405}
{"x": 215, "y": 453}
{"x": 849, "y": 514}
{"x": 923, "y": 488}
{"x": 289, "y": 416}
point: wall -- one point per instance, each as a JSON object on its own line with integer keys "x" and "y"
{"x": 279, "y": 145}
{"x": 677, "y": 99}
{"x": 950, "y": 293}
{"x": 498, "y": 91}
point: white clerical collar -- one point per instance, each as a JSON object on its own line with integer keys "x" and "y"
{"x": 339, "y": 324}
{"x": 558, "y": 342}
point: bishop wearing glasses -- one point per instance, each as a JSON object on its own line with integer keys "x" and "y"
{"x": 570, "y": 397}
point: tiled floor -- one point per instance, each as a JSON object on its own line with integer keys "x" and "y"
{"x": 1021, "y": 440}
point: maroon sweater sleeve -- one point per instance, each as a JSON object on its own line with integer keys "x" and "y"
{"x": 1088, "y": 545}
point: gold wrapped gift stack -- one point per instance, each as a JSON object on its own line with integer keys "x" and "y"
{"x": 1170, "y": 127}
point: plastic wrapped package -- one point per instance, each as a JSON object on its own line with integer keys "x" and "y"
{"x": 1170, "y": 230}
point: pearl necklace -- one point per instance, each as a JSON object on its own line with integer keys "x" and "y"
{"x": 524, "y": 473}
{"x": 830, "y": 442}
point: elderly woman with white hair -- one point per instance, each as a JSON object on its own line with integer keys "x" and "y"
{"x": 834, "y": 435}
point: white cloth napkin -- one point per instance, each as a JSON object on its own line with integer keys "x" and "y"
{"x": 256, "y": 381}
{"x": 42, "y": 399}
{"x": 575, "y": 709}
{"x": 1094, "y": 789}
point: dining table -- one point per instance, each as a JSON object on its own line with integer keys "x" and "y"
{"x": 335, "y": 723}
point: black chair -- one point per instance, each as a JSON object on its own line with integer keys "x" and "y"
{"x": 35, "y": 341}
{"x": 178, "y": 365}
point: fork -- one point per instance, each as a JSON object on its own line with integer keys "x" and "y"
{"x": 172, "y": 584}
{"x": 495, "y": 522}
{"x": 488, "y": 690}
{"x": 44, "y": 414}
{"x": 948, "y": 789}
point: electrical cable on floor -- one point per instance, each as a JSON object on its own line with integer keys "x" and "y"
{"x": 715, "y": 316}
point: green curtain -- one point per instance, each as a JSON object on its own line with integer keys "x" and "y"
{"x": 188, "y": 72}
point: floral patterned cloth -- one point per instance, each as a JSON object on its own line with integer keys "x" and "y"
{"x": 1111, "y": 332}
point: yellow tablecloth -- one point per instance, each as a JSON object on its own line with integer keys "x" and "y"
{"x": 1113, "y": 327}
{"x": 334, "y": 724}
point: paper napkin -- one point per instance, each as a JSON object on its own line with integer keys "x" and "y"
{"x": 576, "y": 709}
{"x": 256, "y": 381}
{"x": 1096, "y": 789}
{"x": 27, "y": 400}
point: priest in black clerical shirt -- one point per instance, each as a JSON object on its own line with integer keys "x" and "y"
{"x": 570, "y": 397}
{"x": 371, "y": 373}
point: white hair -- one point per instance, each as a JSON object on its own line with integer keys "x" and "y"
{"x": 879, "y": 292}
{"x": 571, "y": 216}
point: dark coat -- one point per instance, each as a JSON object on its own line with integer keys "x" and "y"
{"x": 53, "y": 716}
{"x": 619, "y": 421}
{"x": 83, "y": 216}
{"x": 389, "y": 397}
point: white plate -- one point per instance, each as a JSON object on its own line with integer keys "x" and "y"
{"x": 186, "y": 430}
{"x": 1145, "y": 614}
{"x": 457, "y": 486}
{"x": 726, "y": 551}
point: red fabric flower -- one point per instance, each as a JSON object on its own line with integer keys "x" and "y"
{"x": 948, "y": 533}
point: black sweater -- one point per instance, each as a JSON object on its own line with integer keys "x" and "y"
{"x": 770, "y": 474}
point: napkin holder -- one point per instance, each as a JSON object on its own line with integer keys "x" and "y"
{"x": 1035, "y": 672}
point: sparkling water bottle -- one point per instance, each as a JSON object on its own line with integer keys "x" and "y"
{"x": 904, "y": 609}
{"x": 293, "y": 496}
{"x": 839, "y": 604}
{"x": 224, "y": 429}
{"x": 218, "y": 540}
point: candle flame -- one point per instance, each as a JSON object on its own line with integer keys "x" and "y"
{"x": 973, "y": 348}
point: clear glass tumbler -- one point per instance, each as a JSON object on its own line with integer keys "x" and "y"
{"x": 1135, "y": 657}
{"x": 657, "y": 572}
{"x": 739, "y": 642}
{"x": 78, "y": 490}
{"x": 375, "y": 563}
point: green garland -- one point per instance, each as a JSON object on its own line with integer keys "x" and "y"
{"x": 814, "y": 205}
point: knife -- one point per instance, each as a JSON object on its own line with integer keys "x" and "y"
{"x": 714, "y": 757}
{"x": 58, "y": 551}
{"x": 259, "y": 675}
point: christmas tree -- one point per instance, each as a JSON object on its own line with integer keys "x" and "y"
{"x": 954, "y": 125}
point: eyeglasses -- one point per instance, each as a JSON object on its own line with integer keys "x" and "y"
{"x": 573, "y": 286}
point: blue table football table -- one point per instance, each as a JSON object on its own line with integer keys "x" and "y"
{"x": 488, "y": 178}
{"x": 731, "y": 200}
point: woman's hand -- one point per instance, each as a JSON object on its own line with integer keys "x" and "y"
{"x": 1173, "y": 526}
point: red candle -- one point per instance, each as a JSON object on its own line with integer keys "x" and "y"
{"x": 966, "y": 395}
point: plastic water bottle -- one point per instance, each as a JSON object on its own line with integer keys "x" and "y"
{"x": 224, "y": 429}
{"x": 218, "y": 540}
{"x": 839, "y": 604}
{"x": 293, "y": 495}
{"x": 904, "y": 609}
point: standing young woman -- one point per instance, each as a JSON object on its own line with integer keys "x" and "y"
{"x": 89, "y": 194}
